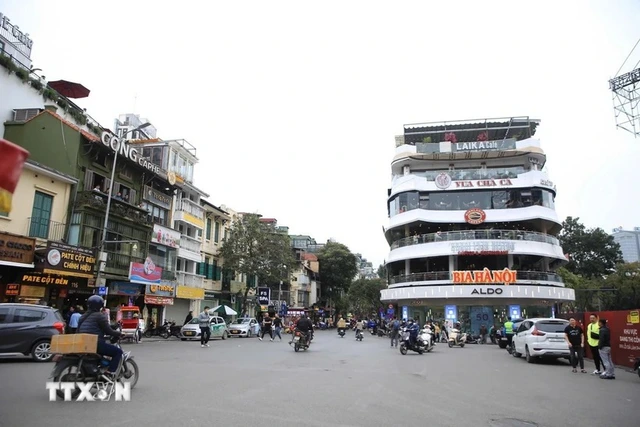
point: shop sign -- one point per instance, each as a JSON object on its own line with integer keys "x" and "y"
{"x": 546, "y": 183}
{"x": 443, "y": 181}
{"x": 264, "y": 296}
{"x": 156, "y": 197}
{"x": 12, "y": 289}
{"x": 122, "y": 148}
{"x": 165, "y": 236}
{"x": 294, "y": 312}
{"x": 475, "y": 216}
{"x": 487, "y": 291}
{"x": 155, "y": 300}
{"x": 21, "y": 38}
{"x": 503, "y": 144}
{"x": 161, "y": 290}
{"x": 16, "y": 249}
{"x": 145, "y": 273}
{"x": 68, "y": 260}
{"x": 44, "y": 279}
{"x": 124, "y": 288}
{"x": 485, "y": 276}
{"x": 187, "y": 292}
{"x": 482, "y": 248}
{"x": 484, "y": 183}
{"x": 191, "y": 219}
{"x": 32, "y": 291}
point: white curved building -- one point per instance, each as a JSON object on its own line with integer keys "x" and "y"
{"x": 472, "y": 224}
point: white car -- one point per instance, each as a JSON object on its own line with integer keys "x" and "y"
{"x": 541, "y": 338}
{"x": 191, "y": 331}
{"x": 244, "y": 327}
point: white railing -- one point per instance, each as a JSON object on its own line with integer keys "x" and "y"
{"x": 189, "y": 279}
{"x": 190, "y": 207}
{"x": 190, "y": 245}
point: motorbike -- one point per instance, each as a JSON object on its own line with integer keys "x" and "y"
{"x": 426, "y": 337}
{"x": 174, "y": 330}
{"x": 91, "y": 367}
{"x": 457, "y": 338}
{"x": 162, "y": 331}
{"x": 406, "y": 345}
{"x": 341, "y": 332}
{"x": 359, "y": 335}
{"x": 300, "y": 340}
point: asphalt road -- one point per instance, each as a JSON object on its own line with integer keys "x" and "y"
{"x": 338, "y": 382}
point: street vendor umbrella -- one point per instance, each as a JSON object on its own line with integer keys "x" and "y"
{"x": 69, "y": 89}
{"x": 225, "y": 309}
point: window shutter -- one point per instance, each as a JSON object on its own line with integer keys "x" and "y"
{"x": 88, "y": 180}
{"x": 201, "y": 269}
{"x": 132, "y": 197}
{"x": 210, "y": 271}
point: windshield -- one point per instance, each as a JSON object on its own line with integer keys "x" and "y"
{"x": 242, "y": 321}
{"x": 553, "y": 326}
{"x": 193, "y": 321}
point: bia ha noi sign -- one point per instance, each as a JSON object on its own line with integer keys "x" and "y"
{"x": 485, "y": 276}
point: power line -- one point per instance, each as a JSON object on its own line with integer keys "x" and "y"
{"x": 625, "y": 61}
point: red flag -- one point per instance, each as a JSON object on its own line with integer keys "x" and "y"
{"x": 12, "y": 158}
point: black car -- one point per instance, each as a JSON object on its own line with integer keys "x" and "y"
{"x": 27, "y": 329}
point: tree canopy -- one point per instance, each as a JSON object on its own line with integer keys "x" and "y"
{"x": 337, "y": 268}
{"x": 382, "y": 271}
{"x": 364, "y": 296}
{"x": 592, "y": 252}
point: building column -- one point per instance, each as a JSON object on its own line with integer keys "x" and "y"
{"x": 406, "y": 230}
{"x": 545, "y": 264}
{"x": 510, "y": 260}
{"x": 407, "y": 266}
{"x": 452, "y": 264}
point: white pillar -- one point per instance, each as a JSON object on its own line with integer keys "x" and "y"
{"x": 452, "y": 264}
{"x": 407, "y": 266}
{"x": 510, "y": 260}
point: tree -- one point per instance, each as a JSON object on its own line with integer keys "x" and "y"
{"x": 256, "y": 250}
{"x": 592, "y": 252}
{"x": 364, "y": 295}
{"x": 337, "y": 268}
{"x": 622, "y": 288}
{"x": 382, "y": 271}
{"x": 583, "y": 288}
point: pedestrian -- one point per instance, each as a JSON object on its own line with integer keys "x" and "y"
{"x": 73, "y": 321}
{"x": 604, "y": 346}
{"x": 592, "y": 340}
{"x": 68, "y": 318}
{"x": 395, "y": 331}
{"x": 483, "y": 334}
{"x": 277, "y": 323}
{"x": 188, "y": 318}
{"x": 205, "y": 327}
{"x": 266, "y": 327}
{"x": 574, "y": 336}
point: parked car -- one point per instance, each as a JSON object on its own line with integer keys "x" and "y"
{"x": 541, "y": 338}
{"x": 191, "y": 330}
{"x": 244, "y": 327}
{"x": 27, "y": 329}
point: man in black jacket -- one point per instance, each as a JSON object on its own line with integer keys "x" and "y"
{"x": 306, "y": 326}
{"x": 604, "y": 345}
{"x": 96, "y": 323}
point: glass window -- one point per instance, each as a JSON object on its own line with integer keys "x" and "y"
{"x": 216, "y": 237}
{"x": 473, "y": 199}
{"x": 441, "y": 201}
{"x": 24, "y": 315}
{"x": 4, "y": 314}
{"x": 208, "y": 229}
{"x": 499, "y": 199}
{"x": 552, "y": 326}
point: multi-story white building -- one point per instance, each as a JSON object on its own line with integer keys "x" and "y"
{"x": 472, "y": 224}
{"x": 126, "y": 123}
{"x": 14, "y": 42}
{"x": 629, "y": 242}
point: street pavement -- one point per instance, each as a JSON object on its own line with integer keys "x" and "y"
{"x": 337, "y": 382}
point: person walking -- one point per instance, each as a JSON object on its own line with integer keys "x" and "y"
{"x": 395, "y": 331}
{"x": 574, "y": 336}
{"x": 205, "y": 327}
{"x": 188, "y": 318}
{"x": 73, "y": 320}
{"x": 266, "y": 327}
{"x": 483, "y": 334}
{"x": 508, "y": 330}
{"x": 592, "y": 340}
{"x": 277, "y": 324}
{"x": 604, "y": 346}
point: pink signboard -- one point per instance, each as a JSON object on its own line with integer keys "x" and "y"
{"x": 146, "y": 273}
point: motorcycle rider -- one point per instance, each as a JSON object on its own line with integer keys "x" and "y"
{"x": 413, "y": 329}
{"x": 342, "y": 325}
{"x": 95, "y": 322}
{"x": 305, "y": 326}
{"x": 359, "y": 326}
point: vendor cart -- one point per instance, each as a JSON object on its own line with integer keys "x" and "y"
{"x": 130, "y": 323}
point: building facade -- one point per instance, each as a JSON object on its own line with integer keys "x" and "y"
{"x": 629, "y": 241}
{"x": 472, "y": 225}
{"x": 14, "y": 42}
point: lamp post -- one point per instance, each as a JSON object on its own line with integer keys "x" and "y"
{"x": 102, "y": 255}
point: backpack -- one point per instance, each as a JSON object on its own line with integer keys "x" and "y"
{"x": 396, "y": 325}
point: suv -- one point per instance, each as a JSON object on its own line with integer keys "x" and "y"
{"x": 27, "y": 329}
{"x": 541, "y": 338}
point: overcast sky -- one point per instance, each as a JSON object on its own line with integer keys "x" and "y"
{"x": 293, "y": 108}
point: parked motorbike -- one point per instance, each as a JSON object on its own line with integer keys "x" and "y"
{"x": 359, "y": 335}
{"x": 91, "y": 367}
{"x": 406, "y": 345}
{"x": 341, "y": 332}
{"x": 174, "y": 330}
{"x": 300, "y": 340}
{"x": 427, "y": 338}
{"x": 457, "y": 338}
{"x": 162, "y": 331}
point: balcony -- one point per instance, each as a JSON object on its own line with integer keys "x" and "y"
{"x": 189, "y": 249}
{"x": 98, "y": 201}
{"x": 451, "y": 236}
{"x": 189, "y": 279}
{"x": 189, "y": 212}
{"x": 433, "y": 276}
{"x": 41, "y": 228}
{"x": 467, "y": 174}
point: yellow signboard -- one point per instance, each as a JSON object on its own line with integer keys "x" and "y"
{"x": 633, "y": 317}
{"x": 187, "y": 292}
{"x": 193, "y": 220}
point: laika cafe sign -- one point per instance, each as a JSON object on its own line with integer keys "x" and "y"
{"x": 122, "y": 148}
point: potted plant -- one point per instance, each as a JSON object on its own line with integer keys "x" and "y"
{"x": 22, "y": 74}
{"x": 36, "y": 84}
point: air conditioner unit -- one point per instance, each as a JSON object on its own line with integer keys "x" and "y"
{"x": 25, "y": 114}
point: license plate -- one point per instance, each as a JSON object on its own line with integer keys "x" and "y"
{"x": 296, "y": 339}
{"x": 235, "y": 332}
{"x": 189, "y": 334}
{"x": 556, "y": 339}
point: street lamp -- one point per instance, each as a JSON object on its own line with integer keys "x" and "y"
{"x": 102, "y": 254}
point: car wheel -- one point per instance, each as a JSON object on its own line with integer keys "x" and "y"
{"x": 183, "y": 339}
{"x": 528, "y": 356}
{"x": 40, "y": 351}
{"x": 224, "y": 336}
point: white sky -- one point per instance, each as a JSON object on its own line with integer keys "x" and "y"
{"x": 293, "y": 106}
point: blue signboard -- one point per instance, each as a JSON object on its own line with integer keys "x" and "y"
{"x": 125, "y": 288}
{"x": 480, "y": 316}
{"x": 451, "y": 313}
{"x": 405, "y": 312}
{"x": 102, "y": 290}
{"x": 514, "y": 311}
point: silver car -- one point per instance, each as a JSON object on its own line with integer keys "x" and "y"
{"x": 244, "y": 327}
{"x": 191, "y": 330}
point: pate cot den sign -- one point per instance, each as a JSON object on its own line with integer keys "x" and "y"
{"x": 68, "y": 260}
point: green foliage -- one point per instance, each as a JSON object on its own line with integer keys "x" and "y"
{"x": 337, "y": 268}
{"x": 8, "y": 64}
{"x": 256, "y": 250}
{"x": 36, "y": 84}
{"x": 623, "y": 288}
{"x": 592, "y": 252}
{"x": 364, "y": 296}
{"x": 62, "y": 104}
{"x": 382, "y": 271}
{"x": 50, "y": 94}
{"x": 427, "y": 140}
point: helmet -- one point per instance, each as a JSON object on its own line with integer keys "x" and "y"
{"x": 95, "y": 302}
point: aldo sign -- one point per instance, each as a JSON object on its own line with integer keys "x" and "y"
{"x": 122, "y": 148}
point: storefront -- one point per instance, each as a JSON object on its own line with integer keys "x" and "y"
{"x": 210, "y": 300}
{"x": 157, "y": 298}
{"x": 16, "y": 258}
{"x": 187, "y": 299}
